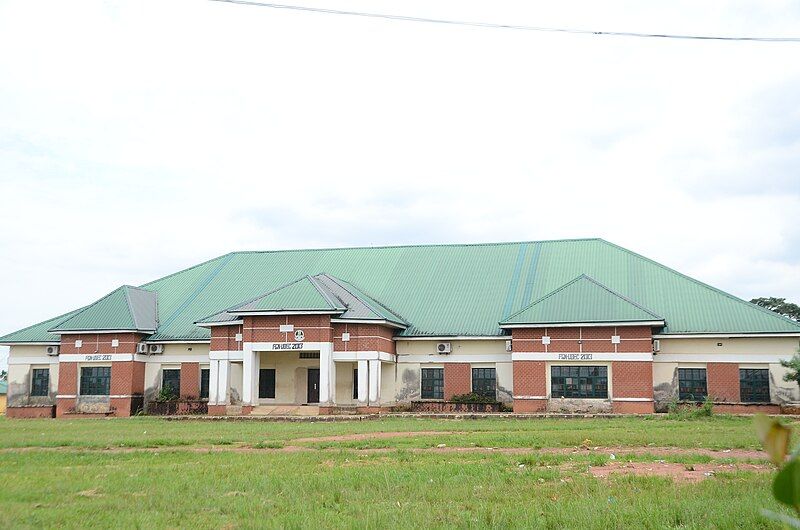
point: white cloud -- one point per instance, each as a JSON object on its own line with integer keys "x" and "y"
{"x": 139, "y": 138}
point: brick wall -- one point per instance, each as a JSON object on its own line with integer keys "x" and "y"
{"x": 190, "y": 380}
{"x": 67, "y": 386}
{"x": 457, "y": 379}
{"x": 722, "y": 380}
{"x": 632, "y": 379}
{"x": 364, "y": 337}
{"x": 223, "y": 338}
{"x": 316, "y": 328}
{"x": 633, "y": 339}
{"x": 100, "y": 343}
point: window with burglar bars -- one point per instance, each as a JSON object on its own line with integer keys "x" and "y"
{"x": 692, "y": 384}
{"x": 40, "y": 382}
{"x": 171, "y": 381}
{"x": 754, "y": 385}
{"x": 205, "y": 374}
{"x": 433, "y": 383}
{"x": 266, "y": 383}
{"x": 484, "y": 382}
{"x": 579, "y": 382}
{"x": 95, "y": 380}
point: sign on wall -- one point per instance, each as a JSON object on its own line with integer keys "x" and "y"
{"x": 287, "y": 346}
{"x": 299, "y": 335}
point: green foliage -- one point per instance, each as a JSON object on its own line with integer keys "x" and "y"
{"x": 780, "y": 306}
{"x": 165, "y": 394}
{"x": 690, "y": 411}
{"x": 793, "y": 366}
{"x": 472, "y": 398}
{"x": 786, "y": 485}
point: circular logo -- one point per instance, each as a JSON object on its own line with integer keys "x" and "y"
{"x": 299, "y": 335}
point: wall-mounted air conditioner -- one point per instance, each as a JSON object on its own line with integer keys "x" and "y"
{"x": 141, "y": 348}
{"x": 52, "y": 350}
{"x": 656, "y": 345}
{"x": 155, "y": 348}
{"x": 508, "y": 345}
{"x": 443, "y": 347}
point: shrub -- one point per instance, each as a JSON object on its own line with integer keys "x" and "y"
{"x": 472, "y": 397}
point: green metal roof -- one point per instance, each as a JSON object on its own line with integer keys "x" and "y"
{"x": 582, "y": 300}
{"x": 450, "y": 289}
{"x": 125, "y": 308}
{"x": 321, "y": 292}
{"x": 300, "y": 295}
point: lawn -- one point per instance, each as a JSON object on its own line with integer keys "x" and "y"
{"x": 148, "y": 472}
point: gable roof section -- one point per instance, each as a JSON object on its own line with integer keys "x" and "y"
{"x": 125, "y": 308}
{"x": 449, "y": 290}
{"x": 318, "y": 293}
{"x": 582, "y": 301}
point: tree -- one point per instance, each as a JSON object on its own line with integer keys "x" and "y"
{"x": 793, "y": 365}
{"x": 780, "y": 306}
{"x": 3, "y": 375}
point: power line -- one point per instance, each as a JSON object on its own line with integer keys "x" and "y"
{"x": 509, "y": 26}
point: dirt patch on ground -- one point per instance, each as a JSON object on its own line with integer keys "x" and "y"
{"x": 678, "y": 472}
{"x": 738, "y": 454}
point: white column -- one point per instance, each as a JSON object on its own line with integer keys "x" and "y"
{"x": 374, "y": 382}
{"x": 363, "y": 382}
{"x": 223, "y": 383}
{"x": 248, "y": 367}
{"x": 327, "y": 375}
{"x": 213, "y": 382}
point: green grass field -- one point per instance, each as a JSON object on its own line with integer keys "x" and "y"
{"x": 148, "y": 472}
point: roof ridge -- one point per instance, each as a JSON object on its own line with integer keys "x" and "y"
{"x": 339, "y": 281}
{"x": 206, "y": 262}
{"x": 262, "y": 295}
{"x": 702, "y": 284}
{"x": 418, "y": 245}
{"x": 620, "y": 295}
{"x": 548, "y": 295}
{"x": 130, "y": 307}
{"x": 324, "y": 294}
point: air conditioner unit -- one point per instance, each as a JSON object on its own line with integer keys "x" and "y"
{"x": 52, "y": 350}
{"x": 155, "y": 348}
{"x": 508, "y": 345}
{"x": 656, "y": 345}
{"x": 443, "y": 347}
{"x": 141, "y": 348}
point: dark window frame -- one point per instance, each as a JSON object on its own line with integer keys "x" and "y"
{"x": 95, "y": 381}
{"x": 205, "y": 382}
{"x": 754, "y": 385}
{"x": 579, "y": 381}
{"x": 355, "y": 383}
{"x": 169, "y": 373}
{"x": 40, "y": 382}
{"x": 432, "y": 383}
{"x": 484, "y": 382}
{"x": 692, "y": 384}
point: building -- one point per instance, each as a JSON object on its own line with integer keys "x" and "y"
{"x": 572, "y": 325}
{"x": 3, "y": 392}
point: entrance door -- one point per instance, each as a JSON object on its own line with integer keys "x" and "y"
{"x": 313, "y": 385}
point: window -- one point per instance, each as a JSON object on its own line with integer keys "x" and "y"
{"x": 579, "y": 382}
{"x": 484, "y": 382}
{"x": 433, "y": 383}
{"x": 266, "y": 383}
{"x": 40, "y": 382}
{"x": 355, "y": 383}
{"x": 205, "y": 374}
{"x": 692, "y": 384}
{"x": 171, "y": 381}
{"x": 309, "y": 355}
{"x": 754, "y": 385}
{"x": 95, "y": 380}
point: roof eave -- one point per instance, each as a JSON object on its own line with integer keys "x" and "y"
{"x": 290, "y": 312}
{"x": 80, "y": 331}
{"x": 220, "y": 323}
{"x": 652, "y": 323}
{"x": 382, "y": 322}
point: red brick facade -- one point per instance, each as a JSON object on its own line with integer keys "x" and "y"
{"x": 190, "y": 380}
{"x": 364, "y": 337}
{"x": 316, "y": 328}
{"x": 530, "y": 383}
{"x": 99, "y": 343}
{"x": 31, "y": 412}
{"x": 457, "y": 379}
{"x": 722, "y": 381}
{"x": 223, "y": 338}
{"x": 633, "y": 339}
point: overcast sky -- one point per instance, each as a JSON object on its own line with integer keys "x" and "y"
{"x": 139, "y": 138}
